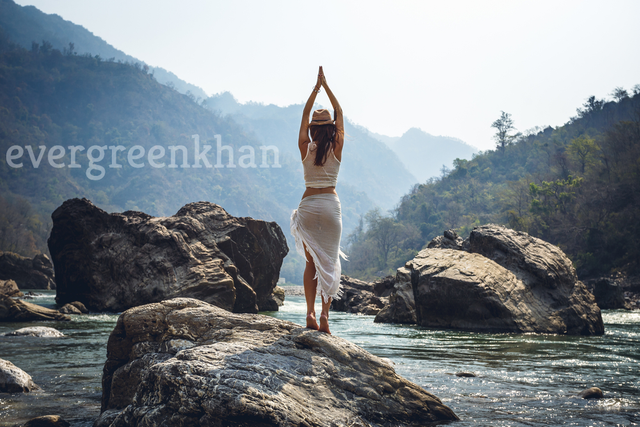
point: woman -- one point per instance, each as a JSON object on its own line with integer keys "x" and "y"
{"x": 317, "y": 223}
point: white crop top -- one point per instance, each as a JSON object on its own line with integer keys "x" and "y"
{"x": 320, "y": 176}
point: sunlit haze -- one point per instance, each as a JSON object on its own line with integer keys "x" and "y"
{"x": 448, "y": 68}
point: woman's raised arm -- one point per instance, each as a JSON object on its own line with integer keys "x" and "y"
{"x": 338, "y": 117}
{"x": 303, "y": 136}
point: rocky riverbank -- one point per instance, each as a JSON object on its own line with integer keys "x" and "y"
{"x": 28, "y": 273}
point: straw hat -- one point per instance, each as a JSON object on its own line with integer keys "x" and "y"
{"x": 321, "y": 117}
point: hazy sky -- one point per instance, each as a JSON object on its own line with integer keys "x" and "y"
{"x": 447, "y": 67}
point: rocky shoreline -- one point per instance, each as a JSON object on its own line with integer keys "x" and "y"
{"x": 498, "y": 280}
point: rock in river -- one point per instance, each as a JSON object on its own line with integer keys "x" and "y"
{"x": 401, "y": 307}
{"x": 12, "y": 310}
{"x": 184, "y": 362}
{"x": 591, "y": 393}
{"x": 111, "y": 262}
{"x": 510, "y": 282}
{"x": 10, "y": 288}
{"x": 47, "y": 421}
{"x": 499, "y": 280}
{"x": 35, "y": 331}
{"x": 29, "y": 273}
{"x": 14, "y": 379}
{"x": 357, "y": 297}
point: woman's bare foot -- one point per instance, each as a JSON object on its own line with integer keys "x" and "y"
{"x": 311, "y": 321}
{"x": 324, "y": 323}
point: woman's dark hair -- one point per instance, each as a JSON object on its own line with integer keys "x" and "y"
{"x": 325, "y": 138}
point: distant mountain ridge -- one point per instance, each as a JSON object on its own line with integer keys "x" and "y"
{"x": 424, "y": 154}
{"x": 27, "y": 24}
{"x": 368, "y": 165}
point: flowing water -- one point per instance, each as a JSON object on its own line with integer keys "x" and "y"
{"x": 522, "y": 380}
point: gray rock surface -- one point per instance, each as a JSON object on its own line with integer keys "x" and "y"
{"x": 357, "y": 297}
{"x": 80, "y": 306}
{"x": 279, "y": 295}
{"x": 183, "y": 362}
{"x": 383, "y": 286}
{"x": 14, "y": 379}
{"x": 10, "y": 288}
{"x": 505, "y": 281}
{"x": 21, "y": 311}
{"x": 69, "y": 309}
{"x": 512, "y": 282}
{"x": 36, "y": 331}
{"x": 28, "y": 273}
{"x": 111, "y": 262}
{"x": 401, "y": 307}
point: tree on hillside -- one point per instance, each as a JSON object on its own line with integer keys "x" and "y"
{"x": 619, "y": 94}
{"x": 504, "y": 125}
{"x": 583, "y": 150}
{"x": 590, "y": 106}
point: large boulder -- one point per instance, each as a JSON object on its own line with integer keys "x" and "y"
{"x": 508, "y": 282}
{"x": 9, "y": 288}
{"x": 111, "y": 262}
{"x": 401, "y": 307}
{"x": 28, "y": 273}
{"x": 184, "y": 362}
{"x": 357, "y": 297}
{"x": 14, "y": 379}
{"x": 12, "y": 310}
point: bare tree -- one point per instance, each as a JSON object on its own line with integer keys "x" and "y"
{"x": 619, "y": 94}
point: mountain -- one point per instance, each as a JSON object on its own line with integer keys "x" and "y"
{"x": 368, "y": 165}
{"x": 26, "y": 25}
{"x": 425, "y": 155}
{"x": 78, "y": 126}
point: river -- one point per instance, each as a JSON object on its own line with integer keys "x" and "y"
{"x": 522, "y": 380}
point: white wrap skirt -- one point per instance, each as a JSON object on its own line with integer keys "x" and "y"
{"x": 317, "y": 225}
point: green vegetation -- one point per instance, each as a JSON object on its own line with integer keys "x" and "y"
{"x": 577, "y": 186}
{"x": 26, "y": 24}
{"x": 49, "y": 98}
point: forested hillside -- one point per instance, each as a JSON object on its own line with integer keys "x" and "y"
{"x": 27, "y": 24}
{"x": 78, "y": 126}
{"x": 50, "y": 102}
{"x": 577, "y": 186}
